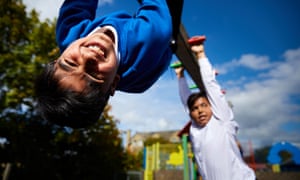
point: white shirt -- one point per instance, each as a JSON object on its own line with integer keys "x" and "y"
{"x": 214, "y": 145}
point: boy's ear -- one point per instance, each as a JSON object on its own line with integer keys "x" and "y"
{"x": 114, "y": 84}
{"x": 190, "y": 114}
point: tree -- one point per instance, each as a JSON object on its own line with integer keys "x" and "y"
{"x": 26, "y": 44}
{"x": 261, "y": 154}
{"x": 35, "y": 148}
{"x": 91, "y": 153}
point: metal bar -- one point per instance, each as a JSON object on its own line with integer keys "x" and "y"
{"x": 186, "y": 56}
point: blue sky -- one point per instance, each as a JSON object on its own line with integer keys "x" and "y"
{"x": 255, "y": 45}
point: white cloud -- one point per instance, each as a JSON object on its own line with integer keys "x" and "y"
{"x": 251, "y": 61}
{"x": 49, "y": 9}
{"x": 226, "y": 67}
{"x": 292, "y": 55}
{"x": 255, "y": 62}
{"x": 46, "y": 9}
{"x": 264, "y": 105}
{"x": 157, "y": 109}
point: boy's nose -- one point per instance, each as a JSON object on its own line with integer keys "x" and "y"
{"x": 200, "y": 110}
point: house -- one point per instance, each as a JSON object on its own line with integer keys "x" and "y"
{"x": 136, "y": 143}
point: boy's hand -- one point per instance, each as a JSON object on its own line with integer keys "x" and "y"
{"x": 197, "y": 46}
{"x": 179, "y": 72}
{"x": 198, "y": 50}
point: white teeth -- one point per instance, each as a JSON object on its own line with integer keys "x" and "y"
{"x": 97, "y": 48}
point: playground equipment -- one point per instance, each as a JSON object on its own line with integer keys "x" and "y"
{"x": 189, "y": 170}
{"x": 178, "y": 64}
{"x": 176, "y": 158}
{"x": 196, "y": 40}
{"x": 181, "y": 47}
{"x": 186, "y": 56}
{"x": 274, "y": 159}
{"x": 169, "y": 156}
{"x": 151, "y": 160}
{"x": 192, "y": 41}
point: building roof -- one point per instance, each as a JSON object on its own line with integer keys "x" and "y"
{"x": 170, "y": 136}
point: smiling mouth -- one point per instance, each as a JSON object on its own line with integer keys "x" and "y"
{"x": 96, "y": 48}
{"x": 202, "y": 118}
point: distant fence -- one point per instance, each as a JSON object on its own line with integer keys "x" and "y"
{"x": 278, "y": 176}
{"x": 178, "y": 175}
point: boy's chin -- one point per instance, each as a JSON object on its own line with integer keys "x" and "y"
{"x": 201, "y": 123}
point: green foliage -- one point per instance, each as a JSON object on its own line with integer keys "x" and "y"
{"x": 134, "y": 161}
{"x": 262, "y": 154}
{"x": 285, "y": 156}
{"x": 35, "y": 148}
{"x": 26, "y": 44}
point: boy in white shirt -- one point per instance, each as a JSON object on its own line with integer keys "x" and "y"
{"x": 213, "y": 130}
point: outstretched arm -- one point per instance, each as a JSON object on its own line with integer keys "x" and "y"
{"x": 219, "y": 104}
{"x": 184, "y": 91}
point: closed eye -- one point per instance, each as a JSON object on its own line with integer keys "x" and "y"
{"x": 69, "y": 67}
{"x": 70, "y": 63}
{"x": 64, "y": 66}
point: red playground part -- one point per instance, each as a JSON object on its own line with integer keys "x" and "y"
{"x": 196, "y": 40}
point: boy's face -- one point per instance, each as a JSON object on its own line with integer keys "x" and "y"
{"x": 201, "y": 111}
{"x": 92, "y": 57}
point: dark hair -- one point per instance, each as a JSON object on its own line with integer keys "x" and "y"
{"x": 193, "y": 97}
{"x": 66, "y": 107}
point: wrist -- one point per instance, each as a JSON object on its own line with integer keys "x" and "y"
{"x": 179, "y": 76}
{"x": 200, "y": 55}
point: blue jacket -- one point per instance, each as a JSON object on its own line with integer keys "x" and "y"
{"x": 143, "y": 38}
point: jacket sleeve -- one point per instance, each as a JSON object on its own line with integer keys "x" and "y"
{"x": 73, "y": 15}
{"x": 152, "y": 26}
{"x": 146, "y": 53}
{"x": 184, "y": 92}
